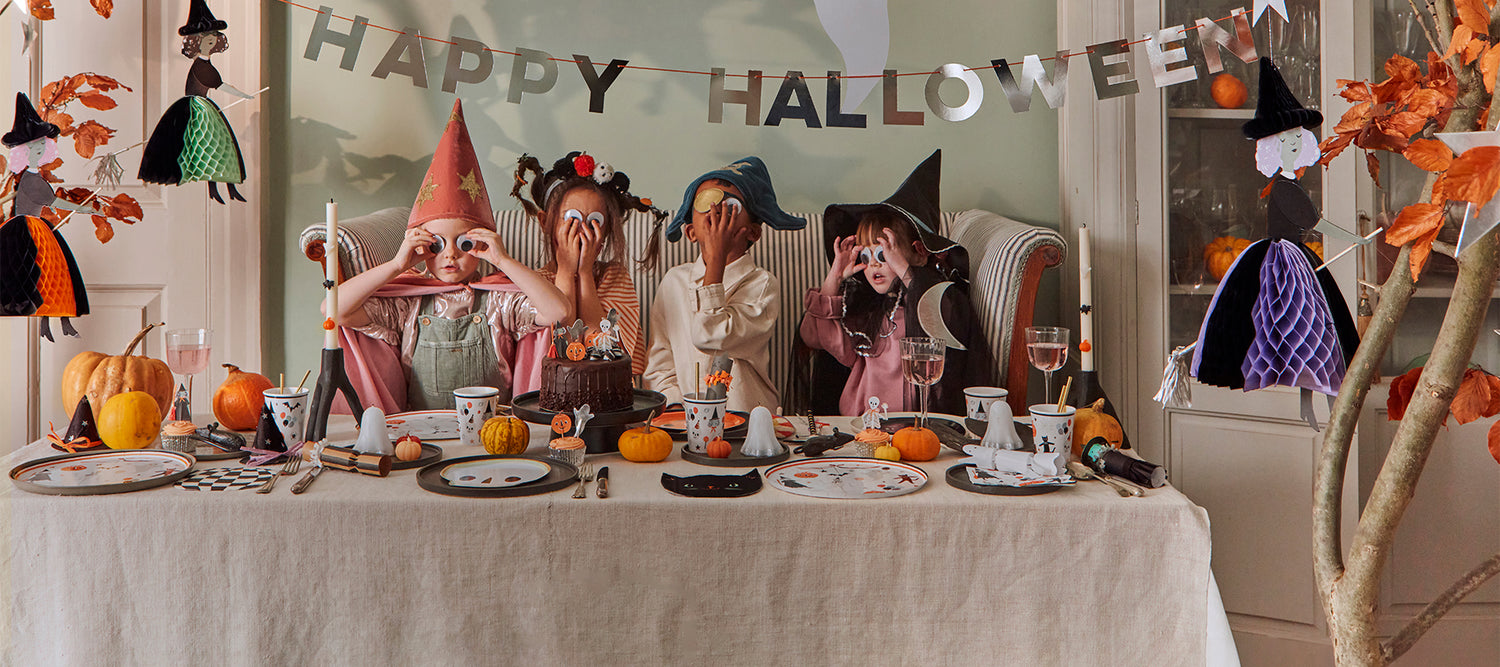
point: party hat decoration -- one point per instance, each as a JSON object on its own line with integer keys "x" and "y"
{"x": 454, "y": 186}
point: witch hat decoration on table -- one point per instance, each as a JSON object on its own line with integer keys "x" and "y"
{"x": 38, "y": 275}
{"x": 193, "y": 141}
{"x": 1274, "y": 320}
{"x": 268, "y": 437}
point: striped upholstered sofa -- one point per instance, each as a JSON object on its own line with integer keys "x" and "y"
{"x": 1006, "y": 259}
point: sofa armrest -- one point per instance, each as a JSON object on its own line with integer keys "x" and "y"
{"x": 1010, "y": 257}
{"x": 364, "y": 241}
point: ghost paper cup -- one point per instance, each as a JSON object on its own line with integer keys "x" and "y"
{"x": 977, "y": 401}
{"x": 705, "y": 421}
{"x": 289, "y": 409}
{"x": 475, "y": 405}
{"x": 1052, "y": 429}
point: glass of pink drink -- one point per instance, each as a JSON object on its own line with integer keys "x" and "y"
{"x": 187, "y": 353}
{"x": 1047, "y": 347}
{"x": 922, "y": 365}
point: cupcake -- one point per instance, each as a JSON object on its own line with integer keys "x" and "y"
{"x": 870, "y": 439}
{"x": 567, "y": 449}
{"x": 177, "y": 436}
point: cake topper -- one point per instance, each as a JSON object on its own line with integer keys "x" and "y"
{"x": 875, "y": 414}
{"x": 605, "y": 345}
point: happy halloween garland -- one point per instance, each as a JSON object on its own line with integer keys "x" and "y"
{"x": 1109, "y": 65}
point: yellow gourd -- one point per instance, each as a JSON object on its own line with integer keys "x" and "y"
{"x": 1093, "y": 422}
{"x": 645, "y": 444}
{"x": 504, "y": 435}
{"x": 888, "y": 453}
{"x": 130, "y": 420}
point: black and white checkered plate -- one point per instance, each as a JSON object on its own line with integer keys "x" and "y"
{"x": 223, "y": 479}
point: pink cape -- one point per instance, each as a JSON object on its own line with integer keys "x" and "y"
{"x": 374, "y": 366}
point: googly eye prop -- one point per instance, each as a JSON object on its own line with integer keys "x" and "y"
{"x": 872, "y": 255}
{"x": 465, "y": 244}
{"x": 705, "y": 200}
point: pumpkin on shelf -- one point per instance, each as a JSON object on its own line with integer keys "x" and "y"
{"x": 1228, "y": 92}
{"x": 1220, "y": 254}
{"x": 129, "y": 420}
{"x": 916, "y": 444}
{"x": 645, "y": 444}
{"x": 1093, "y": 422}
{"x": 1316, "y": 247}
{"x": 100, "y": 377}
{"x": 238, "y": 401}
{"x": 504, "y": 434}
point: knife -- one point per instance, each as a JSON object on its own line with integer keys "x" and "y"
{"x": 306, "y": 481}
{"x": 601, "y": 483}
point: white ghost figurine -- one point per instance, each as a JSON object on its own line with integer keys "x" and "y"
{"x": 603, "y": 173}
{"x": 761, "y": 440}
{"x": 1001, "y": 432}
{"x": 1045, "y": 464}
{"x": 374, "y": 437}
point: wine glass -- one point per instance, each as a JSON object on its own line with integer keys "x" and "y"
{"x": 1047, "y": 347}
{"x": 922, "y": 364}
{"x": 187, "y": 355}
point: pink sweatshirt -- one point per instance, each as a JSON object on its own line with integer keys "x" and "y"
{"x": 879, "y": 375}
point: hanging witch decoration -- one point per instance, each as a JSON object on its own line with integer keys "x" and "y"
{"x": 38, "y": 275}
{"x": 193, "y": 141}
{"x": 1276, "y": 319}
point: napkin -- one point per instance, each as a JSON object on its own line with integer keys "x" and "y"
{"x": 1047, "y": 464}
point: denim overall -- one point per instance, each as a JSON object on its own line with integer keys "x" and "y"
{"x": 451, "y": 354}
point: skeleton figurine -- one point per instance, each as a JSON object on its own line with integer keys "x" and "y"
{"x": 607, "y": 343}
{"x": 875, "y": 414}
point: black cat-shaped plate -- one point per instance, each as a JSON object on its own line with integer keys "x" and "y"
{"x": 958, "y": 478}
{"x": 560, "y": 476}
{"x": 736, "y": 459}
{"x": 713, "y": 486}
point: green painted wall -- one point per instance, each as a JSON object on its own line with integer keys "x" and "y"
{"x": 365, "y": 141}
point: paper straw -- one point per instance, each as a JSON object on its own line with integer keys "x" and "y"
{"x": 304, "y": 379}
{"x": 1062, "y": 399}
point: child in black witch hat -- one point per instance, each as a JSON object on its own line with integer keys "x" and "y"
{"x": 891, "y": 276}
{"x": 1274, "y": 320}
{"x": 193, "y": 141}
{"x": 38, "y": 275}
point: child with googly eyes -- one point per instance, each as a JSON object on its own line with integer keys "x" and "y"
{"x": 884, "y": 258}
{"x": 581, "y": 204}
{"x": 723, "y": 303}
{"x": 456, "y": 322}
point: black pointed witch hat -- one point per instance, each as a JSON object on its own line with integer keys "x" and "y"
{"x": 28, "y": 126}
{"x": 916, "y": 200}
{"x": 1276, "y": 109}
{"x": 200, "y": 20}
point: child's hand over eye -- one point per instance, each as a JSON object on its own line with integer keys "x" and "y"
{"x": 719, "y": 236}
{"x": 413, "y": 248}
{"x": 488, "y": 246}
{"x": 895, "y": 255}
{"x": 591, "y": 238}
{"x": 845, "y": 263}
{"x": 569, "y": 240}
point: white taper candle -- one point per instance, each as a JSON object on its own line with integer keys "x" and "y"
{"x": 1086, "y": 301}
{"x": 331, "y": 253}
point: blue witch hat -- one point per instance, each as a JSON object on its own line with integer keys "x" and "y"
{"x": 750, "y": 175}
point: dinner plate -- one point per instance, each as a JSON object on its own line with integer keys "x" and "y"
{"x": 495, "y": 473}
{"x": 736, "y": 458}
{"x": 430, "y": 454}
{"x": 958, "y": 478}
{"x": 846, "y": 478}
{"x": 112, "y": 471}
{"x": 559, "y": 475}
{"x": 675, "y": 421}
{"x": 425, "y": 424}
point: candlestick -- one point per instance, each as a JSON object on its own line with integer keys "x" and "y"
{"x": 331, "y": 277}
{"x": 1086, "y": 302}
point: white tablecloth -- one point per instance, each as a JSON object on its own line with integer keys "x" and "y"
{"x": 362, "y": 570}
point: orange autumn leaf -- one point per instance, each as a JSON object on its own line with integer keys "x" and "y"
{"x": 1473, "y": 397}
{"x": 1462, "y": 35}
{"x": 1474, "y": 176}
{"x": 1494, "y": 441}
{"x": 42, "y": 10}
{"x": 102, "y": 229}
{"x": 1372, "y": 163}
{"x": 96, "y": 100}
{"x": 1473, "y": 49}
{"x": 1400, "y": 394}
{"x": 1428, "y": 102}
{"x": 1405, "y": 123}
{"x": 103, "y": 7}
{"x": 1412, "y": 222}
{"x": 1354, "y": 119}
{"x": 1494, "y": 407}
{"x": 1330, "y": 148}
{"x": 1355, "y": 91}
{"x": 89, "y": 136}
{"x": 1429, "y": 154}
{"x": 1474, "y": 14}
{"x": 1439, "y": 193}
{"x": 1488, "y": 63}
{"x": 1403, "y": 68}
{"x": 1421, "y": 249}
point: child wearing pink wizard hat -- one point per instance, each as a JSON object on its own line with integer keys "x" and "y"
{"x": 452, "y": 305}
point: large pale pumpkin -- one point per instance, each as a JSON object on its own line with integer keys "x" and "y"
{"x": 129, "y": 420}
{"x": 99, "y": 377}
{"x": 238, "y": 401}
{"x": 1220, "y": 254}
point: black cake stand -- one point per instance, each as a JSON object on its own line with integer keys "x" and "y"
{"x": 602, "y": 434}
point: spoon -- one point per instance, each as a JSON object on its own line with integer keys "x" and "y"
{"x": 1084, "y": 472}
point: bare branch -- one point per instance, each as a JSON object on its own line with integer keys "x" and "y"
{"x": 1431, "y": 41}
{"x": 1424, "y": 621}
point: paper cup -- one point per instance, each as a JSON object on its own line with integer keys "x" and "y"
{"x": 1052, "y": 429}
{"x": 289, "y": 410}
{"x": 978, "y": 399}
{"x": 705, "y": 421}
{"x": 475, "y": 405}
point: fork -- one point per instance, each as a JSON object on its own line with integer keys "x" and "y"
{"x": 290, "y": 468}
{"x": 293, "y": 464}
{"x": 585, "y": 475}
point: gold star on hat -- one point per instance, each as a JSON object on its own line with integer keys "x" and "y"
{"x": 429, "y": 189}
{"x": 471, "y": 185}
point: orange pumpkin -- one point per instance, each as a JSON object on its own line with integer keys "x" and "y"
{"x": 408, "y": 448}
{"x": 505, "y": 434}
{"x": 719, "y": 449}
{"x": 1316, "y": 247}
{"x": 1220, "y": 254}
{"x": 129, "y": 420}
{"x": 1093, "y": 422}
{"x": 645, "y": 444}
{"x": 576, "y": 351}
{"x": 99, "y": 377}
{"x": 1228, "y": 92}
{"x": 917, "y": 444}
{"x": 238, "y": 401}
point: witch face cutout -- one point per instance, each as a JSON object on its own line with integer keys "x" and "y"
{"x": 1286, "y": 152}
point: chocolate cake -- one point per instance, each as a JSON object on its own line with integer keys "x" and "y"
{"x": 603, "y": 385}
